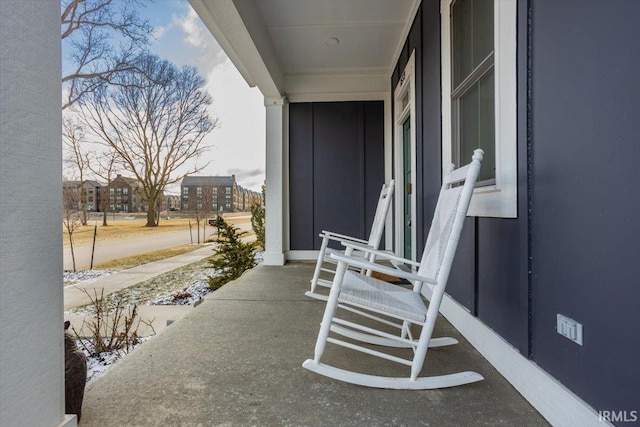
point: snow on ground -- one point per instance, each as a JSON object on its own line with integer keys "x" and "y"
{"x": 187, "y": 296}
{"x": 97, "y": 364}
{"x": 72, "y": 277}
{"x": 167, "y": 294}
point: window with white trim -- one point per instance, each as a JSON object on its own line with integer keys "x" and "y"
{"x": 479, "y": 98}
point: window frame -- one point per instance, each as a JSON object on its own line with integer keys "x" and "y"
{"x": 499, "y": 199}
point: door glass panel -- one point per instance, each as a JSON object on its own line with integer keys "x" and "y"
{"x": 406, "y": 144}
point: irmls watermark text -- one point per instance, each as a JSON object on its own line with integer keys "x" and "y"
{"x": 618, "y": 416}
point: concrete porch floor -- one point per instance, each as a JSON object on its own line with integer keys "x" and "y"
{"x": 235, "y": 360}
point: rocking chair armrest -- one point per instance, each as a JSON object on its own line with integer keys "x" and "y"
{"x": 360, "y": 263}
{"x": 341, "y": 237}
{"x": 380, "y": 254}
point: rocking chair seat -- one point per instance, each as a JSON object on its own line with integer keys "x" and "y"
{"x": 325, "y": 255}
{"x": 382, "y": 297}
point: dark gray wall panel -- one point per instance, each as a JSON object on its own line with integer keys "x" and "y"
{"x": 502, "y": 294}
{"x": 414, "y": 44}
{"x": 462, "y": 278}
{"x": 524, "y": 147}
{"x": 431, "y": 156}
{"x": 336, "y": 169}
{"x": 301, "y": 175}
{"x": 373, "y": 126}
{"x": 585, "y": 201}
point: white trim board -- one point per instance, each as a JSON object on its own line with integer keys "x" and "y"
{"x": 406, "y": 87}
{"x": 337, "y": 97}
{"x": 301, "y": 255}
{"x": 70, "y": 420}
{"x": 554, "y": 401}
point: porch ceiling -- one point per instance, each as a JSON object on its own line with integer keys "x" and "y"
{"x": 288, "y": 47}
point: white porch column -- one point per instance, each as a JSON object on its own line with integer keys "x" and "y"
{"x": 276, "y": 110}
{"x": 31, "y": 321}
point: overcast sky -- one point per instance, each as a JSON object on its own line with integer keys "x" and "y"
{"x": 239, "y": 141}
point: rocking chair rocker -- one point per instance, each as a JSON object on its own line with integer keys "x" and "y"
{"x": 401, "y": 307}
{"x": 324, "y": 257}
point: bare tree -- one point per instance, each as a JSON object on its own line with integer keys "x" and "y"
{"x": 200, "y": 209}
{"x": 73, "y": 138}
{"x": 71, "y": 216}
{"x": 196, "y": 213}
{"x": 104, "y": 166}
{"x": 155, "y": 129}
{"x": 207, "y": 206}
{"x": 89, "y": 31}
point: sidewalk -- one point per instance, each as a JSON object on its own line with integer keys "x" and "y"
{"x": 74, "y": 295}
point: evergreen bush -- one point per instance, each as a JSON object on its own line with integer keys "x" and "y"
{"x": 233, "y": 256}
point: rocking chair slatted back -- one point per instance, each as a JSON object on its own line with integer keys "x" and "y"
{"x": 448, "y": 219}
{"x": 377, "y": 228}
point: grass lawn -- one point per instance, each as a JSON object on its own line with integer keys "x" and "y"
{"x": 121, "y": 228}
{"x": 136, "y": 260}
{"x": 124, "y": 228}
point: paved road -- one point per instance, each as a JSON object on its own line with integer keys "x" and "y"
{"x": 113, "y": 249}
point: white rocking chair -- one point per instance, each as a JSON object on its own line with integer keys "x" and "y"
{"x": 402, "y": 308}
{"x": 324, "y": 257}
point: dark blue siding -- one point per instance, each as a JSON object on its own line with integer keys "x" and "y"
{"x": 301, "y": 175}
{"x": 573, "y": 248}
{"x": 373, "y": 127}
{"x": 502, "y": 291}
{"x": 586, "y": 195}
{"x": 336, "y": 169}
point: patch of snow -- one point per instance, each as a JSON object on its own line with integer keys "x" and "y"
{"x": 70, "y": 277}
{"x": 259, "y": 257}
{"x": 188, "y": 295}
{"x": 97, "y": 364}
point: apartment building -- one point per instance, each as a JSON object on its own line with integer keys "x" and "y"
{"x": 90, "y": 195}
{"x": 216, "y": 194}
{"x": 125, "y": 195}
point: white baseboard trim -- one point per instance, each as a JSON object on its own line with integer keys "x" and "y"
{"x": 559, "y": 405}
{"x": 70, "y": 420}
{"x": 302, "y": 255}
{"x": 273, "y": 258}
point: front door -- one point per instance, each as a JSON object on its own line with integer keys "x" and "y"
{"x": 404, "y": 151}
{"x": 406, "y": 167}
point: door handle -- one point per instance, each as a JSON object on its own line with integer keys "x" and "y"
{"x": 409, "y": 188}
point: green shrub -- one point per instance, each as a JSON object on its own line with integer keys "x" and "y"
{"x": 233, "y": 256}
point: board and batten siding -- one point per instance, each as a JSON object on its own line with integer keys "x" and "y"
{"x": 585, "y": 133}
{"x": 578, "y": 154}
{"x": 336, "y": 169}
